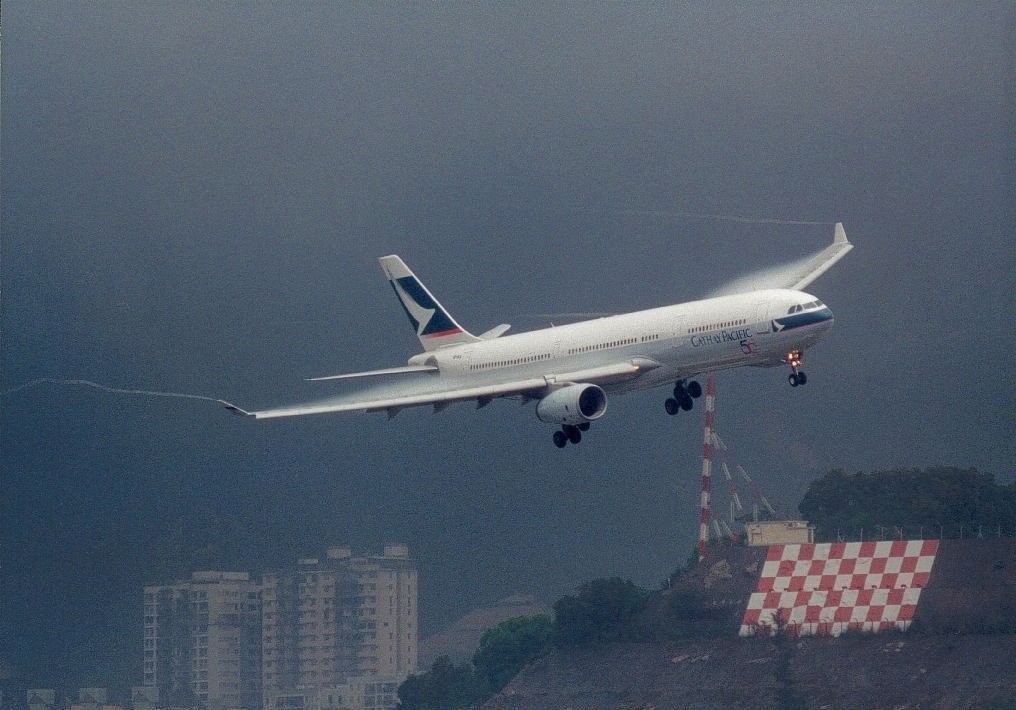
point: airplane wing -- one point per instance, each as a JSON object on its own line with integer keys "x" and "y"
{"x": 795, "y": 275}
{"x": 414, "y": 392}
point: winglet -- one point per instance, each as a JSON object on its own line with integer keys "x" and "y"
{"x": 840, "y": 234}
{"x": 822, "y": 261}
{"x": 234, "y": 409}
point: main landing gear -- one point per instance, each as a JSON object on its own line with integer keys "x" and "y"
{"x": 797, "y": 377}
{"x": 685, "y": 394}
{"x": 569, "y": 432}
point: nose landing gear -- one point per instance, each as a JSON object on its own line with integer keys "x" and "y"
{"x": 685, "y": 394}
{"x": 797, "y": 377}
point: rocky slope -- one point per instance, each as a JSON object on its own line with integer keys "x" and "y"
{"x": 959, "y": 653}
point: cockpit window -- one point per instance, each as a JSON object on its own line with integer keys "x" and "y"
{"x": 805, "y": 307}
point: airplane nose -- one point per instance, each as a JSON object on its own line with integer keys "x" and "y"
{"x": 827, "y": 317}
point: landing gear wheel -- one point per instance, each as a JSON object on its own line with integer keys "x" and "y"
{"x": 560, "y": 439}
{"x": 584, "y": 426}
{"x": 573, "y": 434}
{"x": 684, "y": 397}
{"x": 794, "y": 359}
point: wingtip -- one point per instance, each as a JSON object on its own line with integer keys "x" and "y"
{"x": 840, "y": 234}
{"x": 233, "y": 408}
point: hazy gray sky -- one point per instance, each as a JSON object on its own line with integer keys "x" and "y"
{"x": 194, "y": 197}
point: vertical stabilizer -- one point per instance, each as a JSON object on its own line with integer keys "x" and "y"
{"x": 433, "y": 325}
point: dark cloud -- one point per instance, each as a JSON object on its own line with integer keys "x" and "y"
{"x": 195, "y": 195}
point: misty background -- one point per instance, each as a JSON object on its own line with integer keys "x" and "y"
{"x": 194, "y": 197}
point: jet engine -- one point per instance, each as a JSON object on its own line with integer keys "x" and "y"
{"x": 572, "y": 404}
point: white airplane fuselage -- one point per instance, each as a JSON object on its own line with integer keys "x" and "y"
{"x": 671, "y": 342}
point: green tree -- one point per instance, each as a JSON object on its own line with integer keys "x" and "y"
{"x": 949, "y": 498}
{"x": 600, "y": 611}
{"x": 509, "y": 646}
{"x": 445, "y": 686}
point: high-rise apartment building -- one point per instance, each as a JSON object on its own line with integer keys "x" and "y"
{"x": 202, "y": 641}
{"x": 332, "y": 622}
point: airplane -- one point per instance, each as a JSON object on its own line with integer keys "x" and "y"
{"x": 570, "y": 371}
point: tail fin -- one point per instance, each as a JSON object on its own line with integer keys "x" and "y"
{"x": 433, "y": 325}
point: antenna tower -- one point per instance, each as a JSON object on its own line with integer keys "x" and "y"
{"x": 707, "y": 465}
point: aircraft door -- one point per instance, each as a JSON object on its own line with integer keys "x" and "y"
{"x": 677, "y": 326}
{"x": 674, "y": 347}
{"x": 677, "y": 333}
{"x": 763, "y": 325}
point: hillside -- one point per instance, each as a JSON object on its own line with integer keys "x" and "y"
{"x": 887, "y": 671}
{"x": 959, "y": 653}
{"x": 460, "y": 640}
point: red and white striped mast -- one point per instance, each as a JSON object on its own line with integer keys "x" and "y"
{"x": 707, "y": 470}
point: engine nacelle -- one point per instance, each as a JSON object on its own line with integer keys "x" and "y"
{"x": 572, "y": 404}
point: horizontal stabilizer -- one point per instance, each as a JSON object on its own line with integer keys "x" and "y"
{"x": 495, "y": 332}
{"x": 405, "y": 370}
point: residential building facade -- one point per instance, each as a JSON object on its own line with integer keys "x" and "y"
{"x": 329, "y": 622}
{"x": 328, "y": 633}
{"x": 202, "y": 641}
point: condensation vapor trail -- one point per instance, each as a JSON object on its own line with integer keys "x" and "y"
{"x": 105, "y": 388}
{"x": 722, "y": 217}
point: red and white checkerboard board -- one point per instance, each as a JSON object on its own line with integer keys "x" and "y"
{"x": 827, "y": 588}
